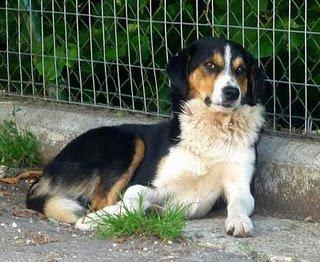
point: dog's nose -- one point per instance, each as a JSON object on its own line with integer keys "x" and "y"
{"x": 231, "y": 93}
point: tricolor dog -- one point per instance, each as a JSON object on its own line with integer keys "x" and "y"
{"x": 206, "y": 152}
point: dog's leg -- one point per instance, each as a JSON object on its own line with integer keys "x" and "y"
{"x": 135, "y": 197}
{"x": 240, "y": 207}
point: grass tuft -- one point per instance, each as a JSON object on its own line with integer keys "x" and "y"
{"x": 167, "y": 225}
{"x": 18, "y": 148}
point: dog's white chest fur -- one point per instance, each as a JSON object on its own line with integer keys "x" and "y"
{"x": 216, "y": 148}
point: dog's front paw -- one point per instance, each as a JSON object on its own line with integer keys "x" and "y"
{"x": 86, "y": 223}
{"x": 239, "y": 226}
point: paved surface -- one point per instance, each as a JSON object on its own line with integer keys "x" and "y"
{"x": 27, "y": 236}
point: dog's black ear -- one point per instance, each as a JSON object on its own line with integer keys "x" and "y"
{"x": 177, "y": 70}
{"x": 256, "y": 83}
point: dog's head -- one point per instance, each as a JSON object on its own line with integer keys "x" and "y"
{"x": 217, "y": 71}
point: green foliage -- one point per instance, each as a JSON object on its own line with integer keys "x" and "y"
{"x": 139, "y": 37}
{"x": 50, "y": 66}
{"x": 18, "y": 148}
{"x": 166, "y": 226}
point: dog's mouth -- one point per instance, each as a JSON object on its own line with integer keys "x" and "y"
{"x": 228, "y": 104}
{"x": 208, "y": 101}
{"x": 222, "y": 104}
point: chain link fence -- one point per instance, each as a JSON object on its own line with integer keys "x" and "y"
{"x": 113, "y": 53}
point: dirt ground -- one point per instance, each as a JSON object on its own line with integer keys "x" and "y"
{"x": 27, "y": 236}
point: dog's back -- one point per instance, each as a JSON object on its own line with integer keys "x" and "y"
{"x": 93, "y": 169}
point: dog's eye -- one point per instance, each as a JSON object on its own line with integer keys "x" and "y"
{"x": 210, "y": 65}
{"x": 240, "y": 70}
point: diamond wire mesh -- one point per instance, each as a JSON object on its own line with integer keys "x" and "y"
{"x": 113, "y": 53}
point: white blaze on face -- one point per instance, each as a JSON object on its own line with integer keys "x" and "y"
{"x": 224, "y": 79}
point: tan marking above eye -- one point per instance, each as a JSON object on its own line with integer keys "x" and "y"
{"x": 238, "y": 62}
{"x": 201, "y": 83}
{"x": 242, "y": 78}
{"x": 218, "y": 60}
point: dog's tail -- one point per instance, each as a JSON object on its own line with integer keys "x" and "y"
{"x": 42, "y": 198}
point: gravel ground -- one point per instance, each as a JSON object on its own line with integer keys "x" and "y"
{"x": 28, "y": 236}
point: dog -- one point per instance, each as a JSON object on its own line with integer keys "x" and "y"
{"x": 205, "y": 152}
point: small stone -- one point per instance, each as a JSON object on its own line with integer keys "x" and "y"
{"x": 309, "y": 219}
{"x": 28, "y": 241}
{"x": 3, "y": 170}
{"x": 2, "y": 224}
{"x": 169, "y": 242}
{"x": 280, "y": 259}
{"x": 145, "y": 249}
{"x": 14, "y": 225}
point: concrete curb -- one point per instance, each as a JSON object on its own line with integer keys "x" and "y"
{"x": 288, "y": 177}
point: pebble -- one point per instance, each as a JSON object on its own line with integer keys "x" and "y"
{"x": 3, "y": 170}
{"x": 309, "y": 219}
{"x": 14, "y": 224}
{"x": 280, "y": 259}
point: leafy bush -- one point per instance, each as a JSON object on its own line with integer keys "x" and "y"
{"x": 117, "y": 54}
